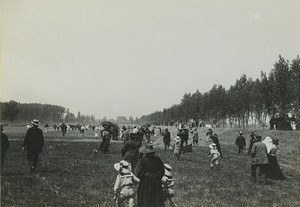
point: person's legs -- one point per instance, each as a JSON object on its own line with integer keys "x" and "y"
{"x": 253, "y": 172}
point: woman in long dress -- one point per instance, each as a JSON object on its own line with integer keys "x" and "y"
{"x": 150, "y": 170}
{"x": 274, "y": 171}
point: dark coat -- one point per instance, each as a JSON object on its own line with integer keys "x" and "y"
{"x": 259, "y": 154}
{"x": 130, "y": 150}
{"x": 216, "y": 141}
{"x": 166, "y": 137}
{"x": 150, "y": 170}
{"x": 34, "y": 140}
{"x": 240, "y": 141}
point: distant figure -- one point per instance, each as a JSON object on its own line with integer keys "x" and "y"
{"x": 46, "y": 127}
{"x": 166, "y": 139}
{"x": 135, "y": 129}
{"x": 63, "y": 127}
{"x": 251, "y": 142}
{"x": 215, "y": 155}
{"x": 259, "y": 160}
{"x": 178, "y": 148}
{"x": 4, "y": 146}
{"x": 106, "y": 136}
{"x": 215, "y": 140}
{"x": 240, "y": 142}
{"x": 168, "y": 185}
{"x": 124, "y": 185}
{"x": 33, "y": 143}
{"x": 195, "y": 137}
{"x": 150, "y": 170}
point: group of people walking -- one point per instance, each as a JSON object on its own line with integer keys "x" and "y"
{"x": 140, "y": 165}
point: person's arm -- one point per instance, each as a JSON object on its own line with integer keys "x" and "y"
{"x": 135, "y": 179}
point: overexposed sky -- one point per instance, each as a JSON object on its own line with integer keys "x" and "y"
{"x": 131, "y": 58}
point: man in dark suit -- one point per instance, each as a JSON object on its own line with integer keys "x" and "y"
{"x": 215, "y": 140}
{"x": 34, "y": 144}
{"x": 259, "y": 160}
{"x": 240, "y": 142}
{"x": 167, "y": 138}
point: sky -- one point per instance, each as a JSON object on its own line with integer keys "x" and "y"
{"x": 131, "y": 58}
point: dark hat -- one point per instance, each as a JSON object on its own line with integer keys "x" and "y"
{"x": 215, "y": 135}
{"x": 123, "y": 127}
{"x": 147, "y": 149}
{"x": 35, "y": 122}
{"x": 241, "y": 133}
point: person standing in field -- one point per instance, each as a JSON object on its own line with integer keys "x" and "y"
{"x": 150, "y": 170}
{"x": 240, "y": 142}
{"x": 259, "y": 160}
{"x": 215, "y": 155}
{"x": 251, "y": 142}
{"x": 178, "y": 148}
{"x": 4, "y": 146}
{"x": 33, "y": 144}
{"x": 167, "y": 138}
{"x": 195, "y": 137}
{"x": 123, "y": 188}
{"x": 130, "y": 151}
{"x": 215, "y": 140}
{"x": 106, "y": 136}
{"x": 63, "y": 129}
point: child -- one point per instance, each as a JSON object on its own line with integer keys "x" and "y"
{"x": 168, "y": 184}
{"x": 123, "y": 188}
{"x": 215, "y": 154}
{"x": 177, "y": 147}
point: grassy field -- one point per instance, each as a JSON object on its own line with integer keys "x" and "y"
{"x": 69, "y": 174}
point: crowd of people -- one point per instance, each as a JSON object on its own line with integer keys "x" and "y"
{"x": 140, "y": 165}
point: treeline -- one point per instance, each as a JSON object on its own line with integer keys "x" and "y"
{"x": 12, "y": 111}
{"x": 247, "y": 101}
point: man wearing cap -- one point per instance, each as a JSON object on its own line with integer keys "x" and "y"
{"x": 240, "y": 142}
{"x": 259, "y": 159}
{"x": 4, "y": 146}
{"x": 33, "y": 143}
{"x": 150, "y": 170}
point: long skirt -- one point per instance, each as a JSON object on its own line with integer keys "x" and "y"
{"x": 150, "y": 193}
{"x": 274, "y": 171}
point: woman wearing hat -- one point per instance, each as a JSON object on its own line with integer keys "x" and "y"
{"x": 274, "y": 171}
{"x": 150, "y": 170}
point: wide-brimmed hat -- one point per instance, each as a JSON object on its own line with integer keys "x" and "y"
{"x": 212, "y": 145}
{"x": 35, "y": 122}
{"x": 168, "y": 173}
{"x": 177, "y": 139}
{"x": 147, "y": 149}
{"x": 123, "y": 165}
{"x": 168, "y": 167}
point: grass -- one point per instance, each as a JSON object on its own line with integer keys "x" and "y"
{"x": 69, "y": 174}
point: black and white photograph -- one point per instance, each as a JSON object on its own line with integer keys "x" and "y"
{"x": 161, "y": 103}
